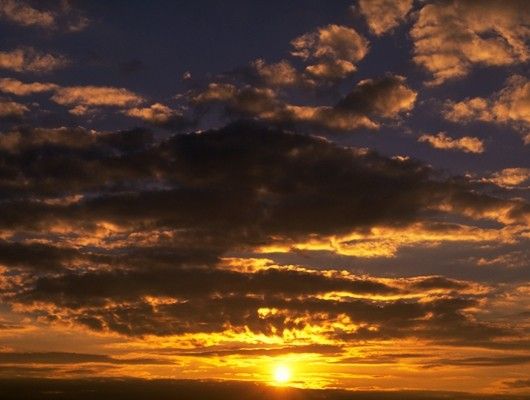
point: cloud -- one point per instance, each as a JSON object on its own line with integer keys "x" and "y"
{"x": 518, "y": 383}
{"x": 336, "y": 49}
{"x": 95, "y": 96}
{"x": 278, "y": 74}
{"x": 260, "y": 351}
{"x": 441, "y": 140}
{"x": 11, "y": 109}
{"x": 515, "y": 259}
{"x": 31, "y": 60}
{"x": 510, "y": 106}
{"x": 370, "y": 101}
{"x": 21, "y": 139}
{"x": 384, "y": 15}
{"x": 489, "y": 361}
{"x": 60, "y": 14}
{"x": 386, "y": 97}
{"x": 84, "y": 100}
{"x": 268, "y": 301}
{"x": 160, "y": 115}
{"x": 388, "y": 242}
{"x": 235, "y": 155}
{"x": 76, "y": 244}
{"x": 23, "y": 14}
{"x": 509, "y": 177}
{"x": 363, "y": 107}
{"x": 18, "y": 88}
{"x": 452, "y": 37}
{"x": 70, "y": 358}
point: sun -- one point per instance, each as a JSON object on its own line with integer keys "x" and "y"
{"x": 282, "y": 373}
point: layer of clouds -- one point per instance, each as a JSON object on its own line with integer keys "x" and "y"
{"x": 441, "y": 140}
{"x": 384, "y": 15}
{"x": 112, "y": 162}
{"x": 451, "y": 37}
{"x": 179, "y": 299}
{"x": 76, "y": 244}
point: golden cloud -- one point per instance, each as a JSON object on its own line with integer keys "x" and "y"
{"x": 16, "y": 87}
{"x": 31, "y": 60}
{"x": 95, "y": 96}
{"x": 157, "y": 113}
{"x": 387, "y": 241}
{"x": 23, "y": 14}
{"x": 511, "y": 105}
{"x": 509, "y": 177}
{"x": 278, "y": 74}
{"x": 59, "y": 14}
{"x": 442, "y": 141}
{"x": 451, "y": 37}
{"x": 338, "y": 47}
{"x": 370, "y": 100}
{"x": 10, "y": 109}
{"x": 384, "y": 15}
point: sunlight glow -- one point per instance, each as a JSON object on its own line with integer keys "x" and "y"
{"x": 282, "y": 374}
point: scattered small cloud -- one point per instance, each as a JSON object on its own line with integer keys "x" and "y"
{"x": 11, "y": 109}
{"x": 384, "y": 15}
{"x": 441, "y": 140}
{"x": 509, "y": 106}
{"x": 95, "y": 96}
{"x": 30, "y": 60}
{"x": 18, "y": 88}
{"x": 509, "y": 177}
{"x": 452, "y": 37}
{"x": 55, "y": 14}
{"x": 335, "y": 49}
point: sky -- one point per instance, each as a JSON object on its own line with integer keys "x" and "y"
{"x": 213, "y": 190}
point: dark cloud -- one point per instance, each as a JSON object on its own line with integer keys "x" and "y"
{"x": 70, "y": 358}
{"x": 173, "y": 207}
{"x": 270, "y": 352}
{"x": 229, "y": 185}
{"x": 518, "y": 383}
{"x": 35, "y": 256}
{"x": 484, "y": 361}
{"x": 267, "y": 301}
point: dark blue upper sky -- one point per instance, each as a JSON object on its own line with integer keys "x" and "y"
{"x": 146, "y": 47}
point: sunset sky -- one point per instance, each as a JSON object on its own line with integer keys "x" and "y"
{"x": 318, "y": 194}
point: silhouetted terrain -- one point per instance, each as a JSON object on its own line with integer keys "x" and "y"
{"x": 136, "y": 389}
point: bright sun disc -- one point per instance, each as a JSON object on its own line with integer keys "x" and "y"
{"x": 282, "y": 374}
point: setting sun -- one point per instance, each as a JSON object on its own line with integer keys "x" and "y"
{"x": 282, "y": 374}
